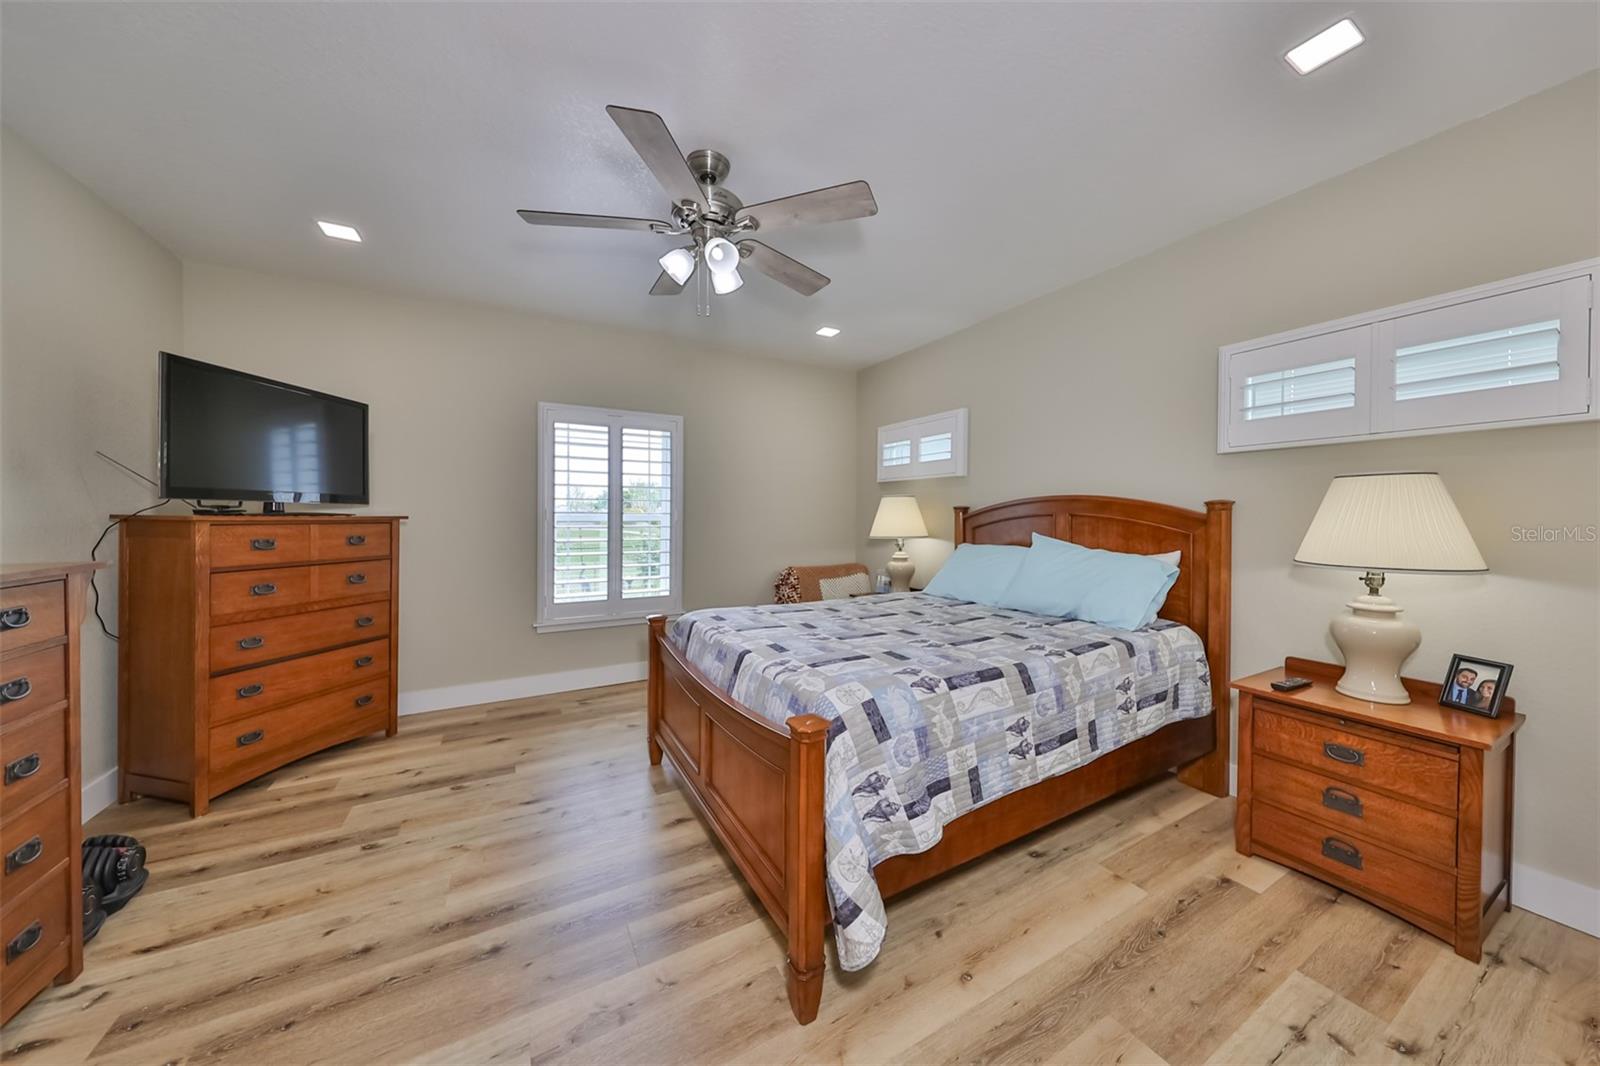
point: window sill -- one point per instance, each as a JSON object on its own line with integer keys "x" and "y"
{"x": 598, "y": 623}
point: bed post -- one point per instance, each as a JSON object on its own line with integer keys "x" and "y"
{"x": 961, "y": 525}
{"x": 1210, "y": 773}
{"x": 807, "y": 909}
{"x": 654, "y": 635}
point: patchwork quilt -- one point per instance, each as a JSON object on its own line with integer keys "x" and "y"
{"x": 938, "y": 706}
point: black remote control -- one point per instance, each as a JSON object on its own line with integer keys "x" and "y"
{"x": 1289, "y": 684}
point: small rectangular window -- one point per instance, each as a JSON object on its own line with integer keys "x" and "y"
{"x": 932, "y": 446}
{"x": 1301, "y": 390}
{"x": 937, "y": 448}
{"x": 897, "y": 453}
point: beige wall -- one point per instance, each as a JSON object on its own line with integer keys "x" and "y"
{"x": 88, "y": 299}
{"x": 1109, "y": 386}
{"x": 454, "y": 391}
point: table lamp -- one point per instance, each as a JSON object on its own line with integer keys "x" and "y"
{"x": 899, "y": 517}
{"x": 1378, "y": 523}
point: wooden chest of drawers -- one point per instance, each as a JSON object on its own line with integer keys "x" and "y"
{"x": 1408, "y": 807}
{"x": 249, "y": 641}
{"x": 41, "y": 826}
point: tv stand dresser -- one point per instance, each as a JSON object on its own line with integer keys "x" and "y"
{"x": 249, "y": 641}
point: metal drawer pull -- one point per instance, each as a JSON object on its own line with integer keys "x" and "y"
{"x": 15, "y": 689}
{"x": 23, "y": 768}
{"x": 24, "y": 941}
{"x": 25, "y": 855}
{"x": 357, "y": 578}
{"x": 251, "y": 690}
{"x": 1337, "y": 799}
{"x": 1340, "y": 753}
{"x": 364, "y": 621}
{"x": 15, "y": 618}
{"x": 1339, "y": 851}
{"x": 355, "y": 540}
{"x": 263, "y": 544}
{"x": 249, "y": 643}
{"x": 365, "y": 660}
{"x": 266, "y": 588}
{"x": 247, "y": 739}
{"x": 362, "y": 701}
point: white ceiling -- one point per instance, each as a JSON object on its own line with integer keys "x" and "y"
{"x": 1013, "y": 148}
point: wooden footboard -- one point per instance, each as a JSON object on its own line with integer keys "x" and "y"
{"x": 760, "y": 789}
{"x": 760, "y": 786}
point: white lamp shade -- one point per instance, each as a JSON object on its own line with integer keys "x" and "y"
{"x": 725, "y": 282}
{"x": 721, "y": 256}
{"x": 898, "y": 516}
{"x": 679, "y": 264}
{"x": 1404, "y": 522}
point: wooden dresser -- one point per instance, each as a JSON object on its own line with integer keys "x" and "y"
{"x": 249, "y": 641}
{"x": 41, "y": 821}
{"x": 1408, "y": 807}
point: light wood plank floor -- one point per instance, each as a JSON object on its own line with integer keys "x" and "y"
{"x": 515, "y": 883}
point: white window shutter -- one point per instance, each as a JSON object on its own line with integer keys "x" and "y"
{"x": 931, "y": 446}
{"x": 1305, "y": 390}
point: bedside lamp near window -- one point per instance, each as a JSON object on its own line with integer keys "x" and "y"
{"x": 899, "y": 517}
{"x": 1376, "y": 523}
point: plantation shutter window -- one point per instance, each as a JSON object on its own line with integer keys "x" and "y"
{"x": 1514, "y": 356}
{"x": 610, "y": 516}
{"x": 1301, "y": 391}
{"x": 932, "y": 446}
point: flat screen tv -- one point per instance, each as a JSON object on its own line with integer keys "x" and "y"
{"x": 228, "y": 435}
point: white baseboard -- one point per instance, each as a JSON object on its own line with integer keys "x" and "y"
{"x": 515, "y": 688}
{"x": 1556, "y": 898}
{"x": 99, "y": 793}
{"x": 1532, "y": 889}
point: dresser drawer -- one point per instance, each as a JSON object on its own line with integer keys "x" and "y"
{"x": 259, "y": 544}
{"x": 332, "y": 581}
{"x": 31, "y": 681}
{"x": 256, "y": 590}
{"x": 33, "y": 926}
{"x": 249, "y": 643}
{"x": 33, "y": 755}
{"x": 32, "y": 845}
{"x": 1353, "y": 808}
{"x": 1365, "y": 868}
{"x": 248, "y": 692}
{"x": 350, "y": 540}
{"x": 250, "y": 746}
{"x": 32, "y": 614}
{"x": 1426, "y": 774}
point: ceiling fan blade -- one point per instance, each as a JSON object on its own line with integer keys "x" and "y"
{"x": 561, "y": 218}
{"x": 836, "y": 203}
{"x": 665, "y": 286}
{"x": 774, "y": 264}
{"x": 653, "y": 141}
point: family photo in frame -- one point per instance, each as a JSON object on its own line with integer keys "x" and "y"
{"x": 1475, "y": 685}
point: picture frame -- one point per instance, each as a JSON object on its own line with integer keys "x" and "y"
{"x": 1475, "y": 685}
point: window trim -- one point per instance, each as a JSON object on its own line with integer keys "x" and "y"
{"x": 1373, "y": 321}
{"x": 551, "y": 617}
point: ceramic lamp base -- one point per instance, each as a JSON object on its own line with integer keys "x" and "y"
{"x": 900, "y": 570}
{"x": 1375, "y": 643}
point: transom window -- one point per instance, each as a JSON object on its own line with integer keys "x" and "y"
{"x": 610, "y": 515}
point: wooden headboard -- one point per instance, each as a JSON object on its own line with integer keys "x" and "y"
{"x": 1202, "y": 596}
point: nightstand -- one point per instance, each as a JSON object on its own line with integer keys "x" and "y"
{"x": 1408, "y": 806}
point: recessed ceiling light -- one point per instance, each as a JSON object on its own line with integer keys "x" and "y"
{"x": 339, "y": 232}
{"x": 1330, "y": 44}
{"x": 827, "y": 331}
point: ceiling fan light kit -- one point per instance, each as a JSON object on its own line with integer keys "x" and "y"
{"x": 713, "y": 218}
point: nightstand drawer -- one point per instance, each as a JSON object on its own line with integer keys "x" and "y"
{"x": 1414, "y": 769}
{"x": 1409, "y": 828}
{"x": 1365, "y": 868}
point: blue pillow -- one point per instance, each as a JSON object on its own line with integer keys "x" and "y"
{"x": 1067, "y": 580}
{"x": 978, "y": 572}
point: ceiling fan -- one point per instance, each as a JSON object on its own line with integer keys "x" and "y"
{"x": 717, "y": 223}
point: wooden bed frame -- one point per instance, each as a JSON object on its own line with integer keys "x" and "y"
{"x": 759, "y": 785}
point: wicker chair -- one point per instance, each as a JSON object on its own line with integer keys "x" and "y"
{"x": 802, "y": 584}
